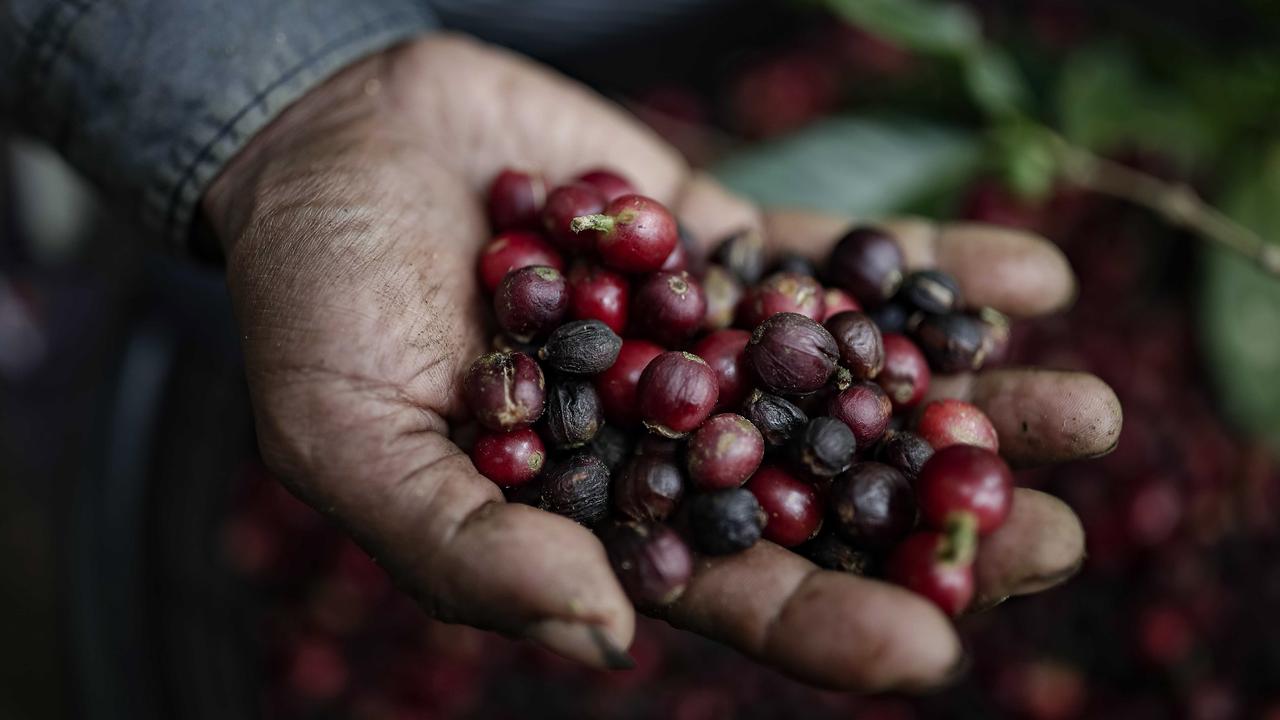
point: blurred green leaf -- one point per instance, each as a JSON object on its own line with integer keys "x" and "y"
{"x": 852, "y": 165}
{"x": 995, "y": 83}
{"x": 931, "y": 27}
{"x": 1025, "y": 156}
{"x": 1240, "y": 308}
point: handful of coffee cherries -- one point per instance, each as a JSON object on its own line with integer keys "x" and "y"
{"x": 676, "y": 412}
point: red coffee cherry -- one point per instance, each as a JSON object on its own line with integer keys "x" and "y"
{"x": 944, "y": 423}
{"x": 964, "y": 480}
{"x": 634, "y": 233}
{"x": 509, "y": 459}
{"x": 597, "y": 293}
{"x": 938, "y": 566}
{"x": 563, "y": 205}
{"x": 670, "y": 308}
{"x": 865, "y": 408}
{"x": 505, "y": 391}
{"x": 617, "y": 385}
{"x": 791, "y": 506}
{"x": 512, "y": 250}
{"x": 792, "y": 354}
{"x": 531, "y": 301}
{"x": 610, "y": 184}
{"x": 783, "y": 292}
{"x": 515, "y": 200}
{"x": 905, "y": 376}
{"x": 725, "y": 352}
{"x": 724, "y": 452}
{"x": 677, "y": 392}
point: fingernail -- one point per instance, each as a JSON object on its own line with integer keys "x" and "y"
{"x": 955, "y": 672}
{"x": 1036, "y": 583}
{"x": 585, "y": 642}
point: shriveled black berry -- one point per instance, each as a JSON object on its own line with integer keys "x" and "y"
{"x": 577, "y": 487}
{"x": 825, "y": 448}
{"x": 743, "y": 255}
{"x": 891, "y": 317}
{"x": 931, "y": 291}
{"x": 831, "y": 552}
{"x": 794, "y": 263}
{"x": 953, "y": 342}
{"x": 581, "y": 347}
{"x": 613, "y": 445}
{"x": 777, "y": 419}
{"x": 725, "y": 521}
{"x": 574, "y": 414}
{"x": 904, "y": 451}
{"x": 872, "y": 506}
{"x": 649, "y": 487}
{"x": 652, "y": 562}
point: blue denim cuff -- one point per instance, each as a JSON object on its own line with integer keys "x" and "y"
{"x": 151, "y": 98}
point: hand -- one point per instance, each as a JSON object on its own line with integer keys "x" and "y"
{"x": 351, "y": 227}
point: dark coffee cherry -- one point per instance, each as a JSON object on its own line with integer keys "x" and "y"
{"x": 996, "y": 336}
{"x": 792, "y": 354}
{"x": 724, "y": 452}
{"x": 953, "y": 343}
{"x": 634, "y": 233}
{"x": 794, "y": 263}
{"x": 505, "y": 391}
{"x": 652, "y": 562}
{"x": 742, "y": 254}
{"x": 865, "y": 408}
{"x": 965, "y": 481}
{"x": 860, "y": 344}
{"x": 670, "y": 308}
{"x": 831, "y": 552}
{"x": 868, "y": 263}
{"x": 610, "y": 184}
{"x": 613, "y": 445}
{"x": 837, "y": 301}
{"x": 904, "y": 451}
{"x": 938, "y": 566}
{"x": 574, "y": 414}
{"x": 891, "y": 317}
{"x": 931, "y": 291}
{"x": 531, "y": 301}
{"x": 509, "y": 458}
{"x": 777, "y": 419}
{"x": 725, "y": 521}
{"x": 577, "y": 487}
{"x": 825, "y": 448}
{"x": 597, "y": 293}
{"x": 648, "y": 488}
{"x": 723, "y": 293}
{"x": 563, "y": 205}
{"x": 515, "y": 200}
{"x": 781, "y": 293}
{"x": 905, "y": 377}
{"x": 725, "y": 352}
{"x": 872, "y": 505}
{"x": 617, "y": 385}
{"x": 791, "y": 507}
{"x": 581, "y": 347}
{"x": 677, "y": 392}
{"x": 512, "y": 250}
{"x": 944, "y": 423}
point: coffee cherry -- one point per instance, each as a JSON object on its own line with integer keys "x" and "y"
{"x": 891, "y": 317}
{"x": 577, "y": 488}
{"x": 725, "y": 352}
{"x": 868, "y": 263}
{"x": 677, "y": 391}
{"x": 905, "y": 376}
{"x": 512, "y": 458}
{"x": 829, "y": 551}
{"x": 953, "y": 343}
{"x": 965, "y": 480}
{"x": 777, "y": 419}
{"x": 515, "y": 200}
{"x": 678, "y": 260}
{"x": 791, "y": 507}
{"x": 837, "y": 301}
{"x": 597, "y": 293}
{"x": 742, "y": 254}
{"x": 724, "y": 452}
{"x": 723, "y": 292}
{"x": 944, "y": 423}
{"x": 505, "y": 391}
{"x": 937, "y": 566}
{"x": 574, "y": 415}
{"x": 931, "y": 291}
{"x": 670, "y": 308}
{"x": 791, "y": 353}
{"x": 995, "y": 336}
{"x": 781, "y": 293}
{"x": 825, "y": 448}
{"x": 794, "y": 263}
{"x": 563, "y": 205}
{"x": 860, "y": 344}
{"x": 648, "y": 488}
{"x": 531, "y": 301}
{"x": 905, "y": 452}
{"x": 635, "y": 233}
{"x": 865, "y": 408}
{"x": 609, "y": 183}
{"x": 617, "y": 385}
{"x": 512, "y": 250}
{"x": 613, "y": 445}
{"x": 725, "y": 521}
{"x": 581, "y": 347}
{"x": 872, "y": 505}
{"x": 652, "y": 563}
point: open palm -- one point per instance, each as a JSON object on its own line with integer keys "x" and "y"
{"x": 351, "y": 227}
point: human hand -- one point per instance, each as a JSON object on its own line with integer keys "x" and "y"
{"x": 351, "y": 227}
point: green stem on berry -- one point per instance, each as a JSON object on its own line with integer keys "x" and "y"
{"x": 961, "y": 542}
{"x": 600, "y": 223}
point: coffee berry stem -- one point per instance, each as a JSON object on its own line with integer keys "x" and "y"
{"x": 961, "y": 545}
{"x": 599, "y": 222}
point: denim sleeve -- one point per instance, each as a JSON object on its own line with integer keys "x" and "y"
{"x": 150, "y": 98}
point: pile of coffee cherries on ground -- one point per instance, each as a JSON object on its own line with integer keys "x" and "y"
{"x": 675, "y": 412}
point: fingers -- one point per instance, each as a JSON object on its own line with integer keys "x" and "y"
{"x": 827, "y": 628}
{"x": 1041, "y": 416}
{"x": 1013, "y": 271}
{"x": 712, "y": 213}
{"x": 1039, "y": 546}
